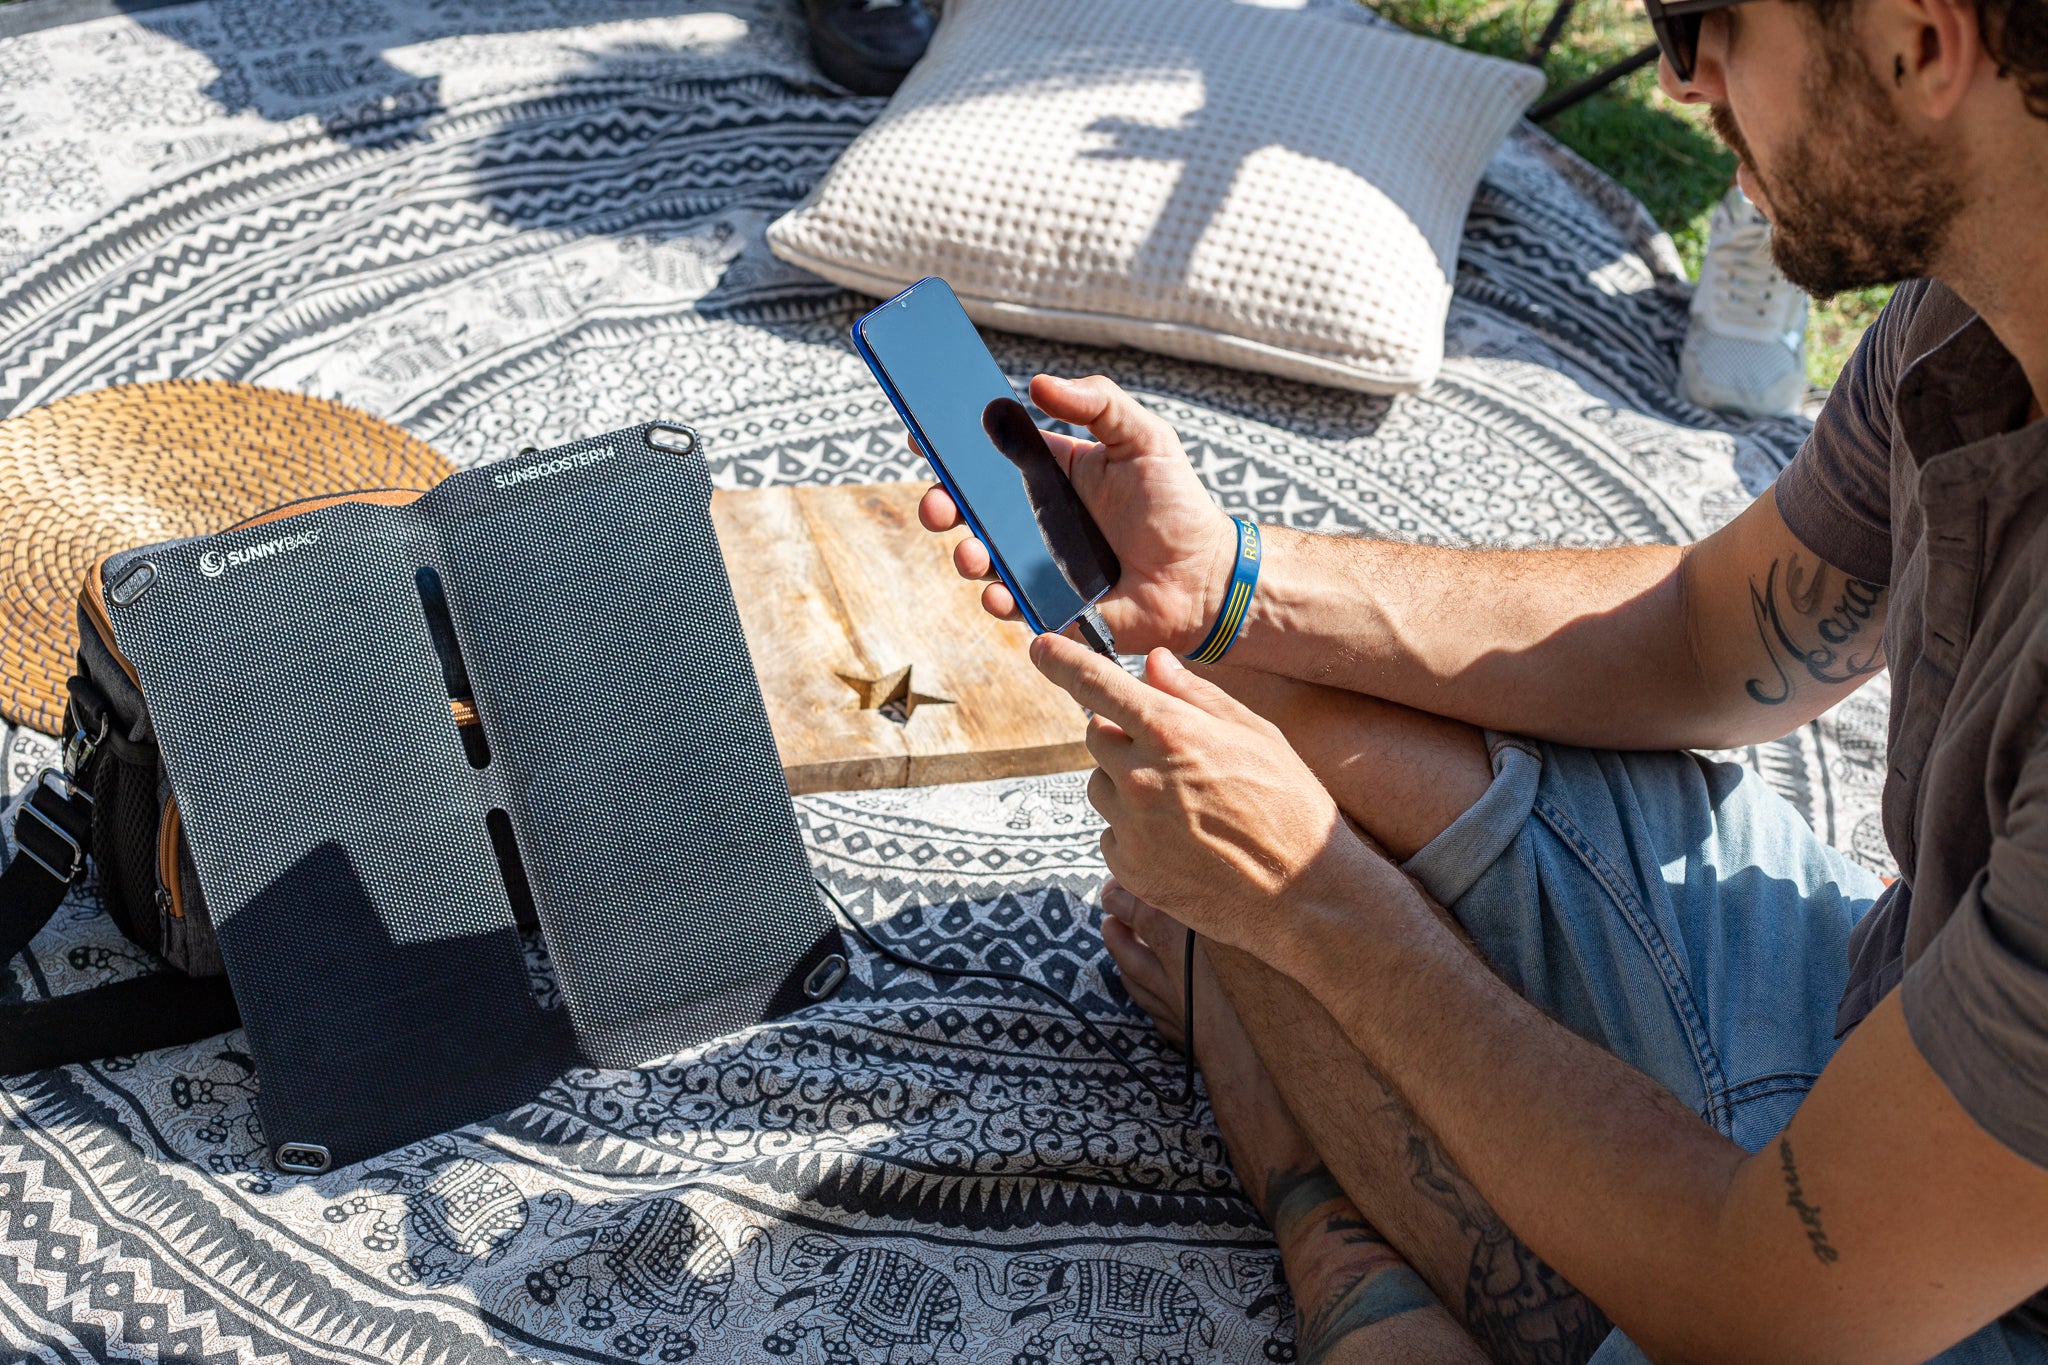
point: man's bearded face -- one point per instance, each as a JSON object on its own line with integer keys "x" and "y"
{"x": 1855, "y": 199}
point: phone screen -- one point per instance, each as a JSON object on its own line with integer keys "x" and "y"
{"x": 1047, "y": 548}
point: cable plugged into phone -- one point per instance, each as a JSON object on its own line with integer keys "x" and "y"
{"x": 1095, "y": 632}
{"x": 1184, "y": 1100}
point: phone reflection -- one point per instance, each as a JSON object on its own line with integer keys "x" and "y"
{"x": 1070, "y": 536}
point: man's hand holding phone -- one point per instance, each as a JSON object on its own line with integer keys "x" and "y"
{"x": 1176, "y": 546}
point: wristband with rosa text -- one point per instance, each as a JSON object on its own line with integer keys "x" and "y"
{"x": 1237, "y": 598}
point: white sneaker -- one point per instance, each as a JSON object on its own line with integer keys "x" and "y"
{"x": 1745, "y": 351}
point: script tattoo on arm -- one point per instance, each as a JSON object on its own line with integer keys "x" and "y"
{"x": 1344, "y": 1275}
{"x": 1809, "y": 1214}
{"x": 1518, "y": 1309}
{"x": 1814, "y": 621}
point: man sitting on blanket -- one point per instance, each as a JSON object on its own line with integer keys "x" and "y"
{"x": 1545, "y": 1052}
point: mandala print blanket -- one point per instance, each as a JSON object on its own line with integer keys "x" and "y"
{"x": 506, "y": 223}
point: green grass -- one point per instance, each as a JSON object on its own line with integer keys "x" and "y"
{"x": 1665, "y": 153}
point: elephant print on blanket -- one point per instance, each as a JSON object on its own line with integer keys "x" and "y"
{"x": 1095, "y": 1310}
{"x": 878, "y": 1298}
{"x": 642, "y": 1275}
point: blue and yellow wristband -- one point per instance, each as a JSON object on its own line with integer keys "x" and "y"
{"x": 1237, "y": 598}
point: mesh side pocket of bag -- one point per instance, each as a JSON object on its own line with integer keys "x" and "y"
{"x": 126, "y": 820}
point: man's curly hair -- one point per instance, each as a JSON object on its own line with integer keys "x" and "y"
{"x": 2016, "y": 35}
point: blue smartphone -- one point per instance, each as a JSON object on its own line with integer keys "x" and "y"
{"x": 988, "y": 453}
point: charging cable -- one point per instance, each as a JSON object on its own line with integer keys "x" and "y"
{"x": 1187, "y": 982}
{"x": 1095, "y": 632}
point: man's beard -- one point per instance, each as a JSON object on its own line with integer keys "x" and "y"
{"x": 1857, "y": 200}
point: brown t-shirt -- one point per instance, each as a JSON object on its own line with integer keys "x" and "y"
{"x": 1923, "y": 474}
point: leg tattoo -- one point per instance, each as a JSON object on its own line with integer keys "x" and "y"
{"x": 1520, "y": 1310}
{"x": 1344, "y": 1275}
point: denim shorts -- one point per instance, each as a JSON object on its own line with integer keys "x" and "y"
{"x": 1679, "y": 913}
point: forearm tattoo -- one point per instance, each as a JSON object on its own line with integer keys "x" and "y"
{"x": 1519, "y": 1310}
{"x": 1809, "y": 1214}
{"x": 1817, "y": 622}
{"x": 1344, "y": 1275}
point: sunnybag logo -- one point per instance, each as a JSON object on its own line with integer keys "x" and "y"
{"x": 213, "y": 563}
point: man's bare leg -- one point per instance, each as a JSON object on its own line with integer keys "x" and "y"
{"x": 1403, "y": 777}
{"x": 1355, "y": 1299}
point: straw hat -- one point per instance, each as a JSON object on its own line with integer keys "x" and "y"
{"x": 104, "y": 471}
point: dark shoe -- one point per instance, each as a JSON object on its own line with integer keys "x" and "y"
{"x": 868, "y": 46}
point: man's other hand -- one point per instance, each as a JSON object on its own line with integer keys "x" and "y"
{"x": 1212, "y": 815}
{"x": 1175, "y": 545}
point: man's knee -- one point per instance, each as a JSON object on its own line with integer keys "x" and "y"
{"x": 1402, "y": 775}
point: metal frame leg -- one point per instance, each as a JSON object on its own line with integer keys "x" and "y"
{"x": 1592, "y": 85}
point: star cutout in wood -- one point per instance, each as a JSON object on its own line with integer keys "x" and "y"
{"x": 892, "y": 694}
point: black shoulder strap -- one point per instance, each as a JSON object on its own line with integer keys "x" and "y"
{"x": 163, "y": 1009}
{"x": 52, "y": 833}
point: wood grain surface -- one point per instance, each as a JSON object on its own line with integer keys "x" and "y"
{"x": 879, "y": 667}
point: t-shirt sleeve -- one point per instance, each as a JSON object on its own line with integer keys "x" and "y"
{"x": 1835, "y": 496}
{"x": 1976, "y": 1002}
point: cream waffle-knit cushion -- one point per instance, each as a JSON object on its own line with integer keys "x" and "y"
{"x": 1277, "y": 190}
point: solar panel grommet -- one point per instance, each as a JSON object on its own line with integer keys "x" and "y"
{"x": 674, "y": 440}
{"x": 826, "y": 977}
{"x": 302, "y": 1158}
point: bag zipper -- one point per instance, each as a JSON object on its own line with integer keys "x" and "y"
{"x": 168, "y": 834}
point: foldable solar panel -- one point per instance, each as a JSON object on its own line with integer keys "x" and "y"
{"x": 395, "y": 725}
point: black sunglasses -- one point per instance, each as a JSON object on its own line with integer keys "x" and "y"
{"x": 1677, "y": 25}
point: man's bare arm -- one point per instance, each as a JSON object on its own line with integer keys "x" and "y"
{"x": 1821, "y": 1247}
{"x": 1740, "y": 638}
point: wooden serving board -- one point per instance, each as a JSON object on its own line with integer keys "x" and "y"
{"x": 879, "y": 667}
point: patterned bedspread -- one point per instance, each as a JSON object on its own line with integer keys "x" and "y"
{"x": 505, "y": 223}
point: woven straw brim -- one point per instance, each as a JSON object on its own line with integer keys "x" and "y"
{"x": 99, "y": 472}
